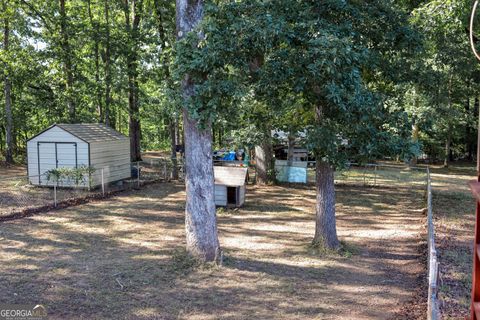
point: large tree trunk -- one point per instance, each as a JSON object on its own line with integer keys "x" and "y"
{"x": 132, "y": 23}
{"x": 67, "y": 62}
{"x": 200, "y": 212}
{"x": 96, "y": 52}
{"x": 134, "y": 121}
{"x": 325, "y": 226}
{"x": 263, "y": 162}
{"x": 415, "y": 135}
{"x": 108, "y": 76}
{"x": 8, "y": 99}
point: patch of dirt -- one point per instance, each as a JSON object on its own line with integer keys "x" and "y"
{"x": 118, "y": 258}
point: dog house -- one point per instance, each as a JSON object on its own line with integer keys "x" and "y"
{"x": 92, "y": 145}
{"x": 230, "y": 186}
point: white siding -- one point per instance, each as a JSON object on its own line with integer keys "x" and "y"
{"x": 111, "y": 156}
{"x": 46, "y": 159}
{"x": 220, "y": 195}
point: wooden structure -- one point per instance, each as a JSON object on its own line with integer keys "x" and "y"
{"x": 295, "y": 173}
{"x": 230, "y": 186}
{"x": 475, "y": 308}
{"x": 75, "y": 145}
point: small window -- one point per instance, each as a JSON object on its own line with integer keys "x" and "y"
{"x": 232, "y": 195}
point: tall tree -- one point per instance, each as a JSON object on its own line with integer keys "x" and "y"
{"x": 95, "y": 35}
{"x": 325, "y": 55}
{"x": 7, "y": 88}
{"x": 200, "y": 212}
{"x": 67, "y": 61}
{"x": 133, "y": 10}
{"x": 107, "y": 65}
{"x": 162, "y": 10}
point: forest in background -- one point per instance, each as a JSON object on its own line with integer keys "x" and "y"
{"x": 115, "y": 62}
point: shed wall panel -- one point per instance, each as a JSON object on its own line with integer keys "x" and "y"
{"x": 113, "y": 157}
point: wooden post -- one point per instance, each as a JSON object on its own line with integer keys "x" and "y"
{"x": 475, "y": 305}
{"x": 55, "y": 195}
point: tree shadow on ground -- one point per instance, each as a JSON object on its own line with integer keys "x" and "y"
{"x": 119, "y": 259}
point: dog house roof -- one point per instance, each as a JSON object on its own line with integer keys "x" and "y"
{"x": 230, "y": 176}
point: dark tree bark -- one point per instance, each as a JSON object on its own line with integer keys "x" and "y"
{"x": 108, "y": 74}
{"x": 67, "y": 62}
{"x": 8, "y": 98}
{"x": 264, "y": 162}
{"x": 96, "y": 53}
{"x": 415, "y": 135}
{"x": 200, "y": 212}
{"x": 325, "y": 224}
{"x": 132, "y": 23}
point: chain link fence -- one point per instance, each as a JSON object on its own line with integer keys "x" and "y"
{"x": 19, "y": 196}
{"x": 368, "y": 175}
{"x": 384, "y": 176}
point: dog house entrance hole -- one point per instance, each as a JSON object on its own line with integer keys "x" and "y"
{"x": 232, "y": 195}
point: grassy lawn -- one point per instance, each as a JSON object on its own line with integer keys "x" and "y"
{"x": 123, "y": 258}
{"x": 454, "y": 212}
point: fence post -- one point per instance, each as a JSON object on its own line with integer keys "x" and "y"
{"x": 103, "y": 185}
{"x": 165, "y": 170}
{"x": 55, "y": 195}
{"x": 138, "y": 174}
{"x": 375, "y": 177}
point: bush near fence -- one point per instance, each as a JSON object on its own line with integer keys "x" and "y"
{"x": 17, "y": 195}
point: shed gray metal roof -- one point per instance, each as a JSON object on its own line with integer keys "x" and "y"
{"x": 230, "y": 176}
{"x": 92, "y": 132}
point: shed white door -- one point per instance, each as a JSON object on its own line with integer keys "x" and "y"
{"x": 66, "y": 155}
{"x": 46, "y": 160}
{"x": 53, "y": 155}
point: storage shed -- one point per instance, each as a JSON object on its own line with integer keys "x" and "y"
{"x": 74, "y": 145}
{"x": 230, "y": 186}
